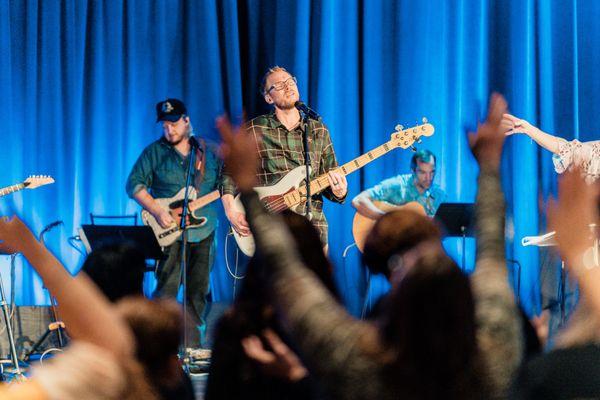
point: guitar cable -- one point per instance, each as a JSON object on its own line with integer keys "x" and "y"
{"x": 234, "y": 275}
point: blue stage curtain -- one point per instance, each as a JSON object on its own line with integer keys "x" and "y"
{"x": 79, "y": 81}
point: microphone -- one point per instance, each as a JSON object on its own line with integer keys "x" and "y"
{"x": 309, "y": 112}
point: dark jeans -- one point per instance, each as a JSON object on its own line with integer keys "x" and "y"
{"x": 200, "y": 260}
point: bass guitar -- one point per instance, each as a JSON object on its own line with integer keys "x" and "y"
{"x": 174, "y": 205}
{"x": 290, "y": 192}
{"x": 32, "y": 182}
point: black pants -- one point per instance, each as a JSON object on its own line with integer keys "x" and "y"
{"x": 200, "y": 258}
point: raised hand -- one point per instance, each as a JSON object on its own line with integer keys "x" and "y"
{"x": 279, "y": 361}
{"x": 577, "y": 207}
{"x": 487, "y": 143}
{"x": 240, "y": 154}
{"x": 15, "y": 236}
{"x": 512, "y": 125}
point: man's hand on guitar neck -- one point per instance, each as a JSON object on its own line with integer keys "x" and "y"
{"x": 338, "y": 183}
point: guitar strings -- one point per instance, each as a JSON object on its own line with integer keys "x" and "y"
{"x": 279, "y": 204}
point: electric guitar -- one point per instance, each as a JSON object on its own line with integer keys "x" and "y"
{"x": 174, "y": 205}
{"x": 361, "y": 225}
{"x": 289, "y": 192}
{"x": 34, "y": 181}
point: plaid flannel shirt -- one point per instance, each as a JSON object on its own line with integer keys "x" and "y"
{"x": 280, "y": 150}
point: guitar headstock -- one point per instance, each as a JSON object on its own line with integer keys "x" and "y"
{"x": 405, "y": 138}
{"x": 35, "y": 181}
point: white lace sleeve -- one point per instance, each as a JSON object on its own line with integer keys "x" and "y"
{"x": 83, "y": 371}
{"x": 584, "y": 154}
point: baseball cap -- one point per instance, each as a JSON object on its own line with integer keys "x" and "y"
{"x": 170, "y": 110}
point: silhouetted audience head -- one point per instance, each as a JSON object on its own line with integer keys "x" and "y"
{"x": 117, "y": 269}
{"x": 157, "y": 326}
{"x": 233, "y": 373}
{"x": 395, "y": 233}
{"x": 253, "y": 308}
{"x": 431, "y": 327}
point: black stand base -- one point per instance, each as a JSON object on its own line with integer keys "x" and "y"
{"x": 56, "y": 327}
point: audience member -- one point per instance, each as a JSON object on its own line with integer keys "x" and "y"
{"x": 99, "y": 364}
{"x": 573, "y": 370}
{"x": 252, "y": 357}
{"x": 118, "y": 270}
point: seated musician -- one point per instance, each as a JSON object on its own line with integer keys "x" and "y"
{"x": 417, "y": 187}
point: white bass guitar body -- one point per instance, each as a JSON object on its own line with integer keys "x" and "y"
{"x": 268, "y": 194}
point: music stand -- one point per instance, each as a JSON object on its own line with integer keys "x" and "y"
{"x": 141, "y": 237}
{"x": 457, "y": 220}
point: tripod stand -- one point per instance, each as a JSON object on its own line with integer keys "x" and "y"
{"x": 56, "y": 325}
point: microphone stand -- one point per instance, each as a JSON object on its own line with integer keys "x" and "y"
{"x": 9, "y": 331}
{"x": 307, "y": 132}
{"x": 183, "y": 260}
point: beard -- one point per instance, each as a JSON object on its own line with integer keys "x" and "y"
{"x": 175, "y": 142}
{"x": 286, "y": 103}
{"x": 180, "y": 138}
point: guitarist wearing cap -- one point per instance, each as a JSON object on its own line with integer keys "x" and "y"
{"x": 160, "y": 173}
{"x": 415, "y": 191}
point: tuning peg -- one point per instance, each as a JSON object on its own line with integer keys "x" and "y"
{"x": 419, "y": 140}
{"x": 399, "y": 127}
{"x": 413, "y": 148}
{"x": 425, "y": 120}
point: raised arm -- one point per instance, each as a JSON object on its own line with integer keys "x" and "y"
{"x": 86, "y": 312}
{"x": 330, "y": 341}
{"x": 512, "y": 125}
{"x": 571, "y": 218}
{"x": 498, "y": 329}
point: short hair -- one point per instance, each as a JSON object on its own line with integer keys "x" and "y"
{"x": 157, "y": 326}
{"x": 271, "y": 70}
{"x": 395, "y": 233}
{"x": 424, "y": 156}
{"x": 117, "y": 268}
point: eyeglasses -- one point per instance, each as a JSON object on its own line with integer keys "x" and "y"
{"x": 279, "y": 86}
